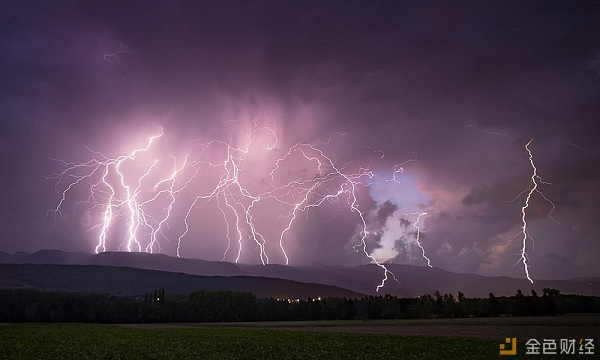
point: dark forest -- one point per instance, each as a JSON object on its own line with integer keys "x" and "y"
{"x": 234, "y": 306}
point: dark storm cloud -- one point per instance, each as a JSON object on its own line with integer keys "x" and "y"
{"x": 461, "y": 87}
{"x": 385, "y": 211}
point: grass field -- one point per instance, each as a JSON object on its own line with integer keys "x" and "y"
{"x": 321, "y": 340}
{"x": 570, "y": 326}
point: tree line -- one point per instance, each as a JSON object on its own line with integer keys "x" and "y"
{"x": 233, "y": 306}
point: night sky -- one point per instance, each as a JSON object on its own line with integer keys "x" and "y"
{"x": 436, "y": 99}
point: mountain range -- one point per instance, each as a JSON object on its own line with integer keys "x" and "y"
{"x": 137, "y": 273}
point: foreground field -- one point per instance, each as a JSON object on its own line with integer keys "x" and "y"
{"x": 498, "y": 328}
{"x": 301, "y": 340}
{"x": 549, "y": 327}
{"x": 111, "y": 342}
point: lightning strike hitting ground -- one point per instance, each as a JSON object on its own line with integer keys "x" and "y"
{"x": 109, "y": 191}
{"x": 133, "y": 187}
{"x": 417, "y": 236}
{"x": 533, "y": 188}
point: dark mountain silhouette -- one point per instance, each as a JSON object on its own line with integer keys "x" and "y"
{"x": 410, "y": 280}
{"x": 47, "y": 257}
{"x": 136, "y": 282}
{"x": 167, "y": 263}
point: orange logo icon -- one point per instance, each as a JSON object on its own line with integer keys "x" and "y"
{"x": 512, "y": 347}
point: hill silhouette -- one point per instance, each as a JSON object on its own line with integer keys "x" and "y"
{"x": 136, "y": 282}
{"x": 410, "y": 280}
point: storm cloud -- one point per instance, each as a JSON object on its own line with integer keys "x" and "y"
{"x": 437, "y": 99}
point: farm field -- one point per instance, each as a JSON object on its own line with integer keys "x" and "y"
{"x": 82, "y": 341}
{"x": 575, "y": 326}
{"x": 569, "y": 326}
{"x": 406, "y": 339}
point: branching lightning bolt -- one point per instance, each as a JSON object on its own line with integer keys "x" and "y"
{"x": 133, "y": 187}
{"x": 104, "y": 192}
{"x": 533, "y": 188}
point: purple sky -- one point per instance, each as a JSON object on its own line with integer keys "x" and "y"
{"x": 449, "y": 91}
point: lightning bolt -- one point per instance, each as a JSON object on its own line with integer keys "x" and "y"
{"x": 115, "y": 57}
{"x": 229, "y": 191}
{"x": 417, "y": 236}
{"x": 347, "y": 184}
{"x": 116, "y": 192}
{"x": 170, "y": 193}
{"x": 399, "y": 168}
{"x": 133, "y": 189}
{"x": 535, "y": 180}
